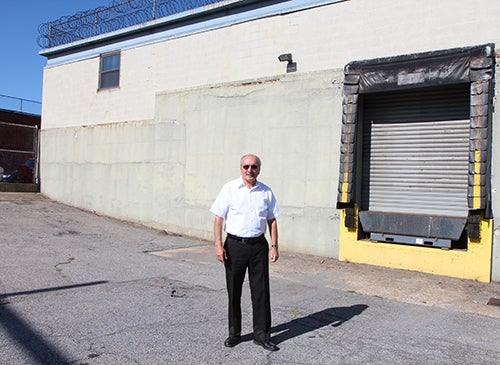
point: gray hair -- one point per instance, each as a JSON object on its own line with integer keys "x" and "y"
{"x": 248, "y": 155}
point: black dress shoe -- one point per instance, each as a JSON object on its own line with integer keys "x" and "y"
{"x": 232, "y": 341}
{"x": 267, "y": 345}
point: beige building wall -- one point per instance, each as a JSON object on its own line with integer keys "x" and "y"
{"x": 322, "y": 38}
{"x": 157, "y": 149}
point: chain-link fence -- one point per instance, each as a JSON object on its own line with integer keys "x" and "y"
{"x": 19, "y": 153}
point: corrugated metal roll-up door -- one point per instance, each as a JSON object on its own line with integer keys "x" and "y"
{"x": 416, "y": 151}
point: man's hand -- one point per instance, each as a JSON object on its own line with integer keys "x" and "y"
{"x": 274, "y": 254}
{"x": 220, "y": 253}
{"x": 273, "y": 230}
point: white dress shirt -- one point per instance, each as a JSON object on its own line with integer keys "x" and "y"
{"x": 245, "y": 211}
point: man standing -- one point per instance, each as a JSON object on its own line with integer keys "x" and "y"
{"x": 245, "y": 207}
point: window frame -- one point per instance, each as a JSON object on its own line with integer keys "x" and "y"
{"x": 112, "y": 71}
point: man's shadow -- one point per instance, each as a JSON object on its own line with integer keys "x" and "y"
{"x": 328, "y": 317}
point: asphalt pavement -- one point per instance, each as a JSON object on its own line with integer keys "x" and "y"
{"x": 79, "y": 288}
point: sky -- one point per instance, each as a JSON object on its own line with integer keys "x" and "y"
{"x": 21, "y": 66}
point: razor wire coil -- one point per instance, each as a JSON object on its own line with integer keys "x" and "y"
{"x": 118, "y": 15}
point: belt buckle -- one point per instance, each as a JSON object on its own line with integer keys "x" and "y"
{"x": 245, "y": 240}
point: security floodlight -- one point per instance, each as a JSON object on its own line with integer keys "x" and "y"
{"x": 287, "y": 57}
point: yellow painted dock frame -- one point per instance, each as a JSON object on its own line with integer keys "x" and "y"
{"x": 473, "y": 263}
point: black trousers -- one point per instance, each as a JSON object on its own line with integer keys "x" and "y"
{"x": 255, "y": 258}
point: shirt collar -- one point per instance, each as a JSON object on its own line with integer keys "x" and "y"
{"x": 242, "y": 184}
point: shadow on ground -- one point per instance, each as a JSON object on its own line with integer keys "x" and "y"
{"x": 299, "y": 326}
{"x": 35, "y": 345}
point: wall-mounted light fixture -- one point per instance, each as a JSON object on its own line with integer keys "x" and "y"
{"x": 287, "y": 57}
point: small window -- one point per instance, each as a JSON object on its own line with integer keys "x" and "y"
{"x": 110, "y": 71}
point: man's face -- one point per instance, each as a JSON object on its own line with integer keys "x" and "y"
{"x": 249, "y": 170}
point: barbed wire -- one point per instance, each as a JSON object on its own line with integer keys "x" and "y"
{"x": 118, "y": 15}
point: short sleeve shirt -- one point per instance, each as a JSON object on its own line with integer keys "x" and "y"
{"x": 245, "y": 211}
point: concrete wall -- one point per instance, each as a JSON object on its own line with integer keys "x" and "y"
{"x": 158, "y": 148}
{"x": 167, "y": 171}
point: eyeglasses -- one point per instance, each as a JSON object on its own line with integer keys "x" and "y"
{"x": 246, "y": 167}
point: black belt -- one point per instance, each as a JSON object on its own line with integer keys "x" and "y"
{"x": 246, "y": 240}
